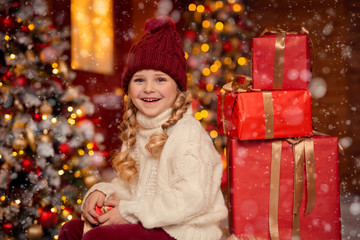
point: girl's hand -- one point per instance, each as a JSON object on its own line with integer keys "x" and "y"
{"x": 95, "y": 198}
{"x": 113, "y": 216}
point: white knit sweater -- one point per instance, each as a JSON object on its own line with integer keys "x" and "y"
{"x": 180, "y": 192}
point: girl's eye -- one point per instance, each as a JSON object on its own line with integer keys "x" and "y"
{"x": 161, "y": 79}
{"x": 138, "y": 80}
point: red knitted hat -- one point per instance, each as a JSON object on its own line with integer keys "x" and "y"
{"x": 159, "y": 49}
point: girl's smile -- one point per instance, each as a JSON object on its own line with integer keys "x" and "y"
{"x": 152, "y": 92}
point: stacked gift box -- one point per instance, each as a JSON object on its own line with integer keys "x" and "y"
{"x": 283, "y": 178}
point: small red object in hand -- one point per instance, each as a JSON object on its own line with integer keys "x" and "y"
{"x": 102, "y": 210}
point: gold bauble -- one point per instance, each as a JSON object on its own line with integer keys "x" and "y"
{"x": 45, "y": 138}
{"x": 46, "y": 108}
{"x": 90, "y": 180}
{"x": 34, "y": 232}
{"x": 19, "y": 144}
{"x": 30, "y": 137}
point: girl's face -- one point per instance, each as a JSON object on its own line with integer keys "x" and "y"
{"x": 152, "y": 92}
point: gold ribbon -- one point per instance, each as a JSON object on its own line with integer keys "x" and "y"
{"x": 303, "y": 150}
{"x": 268, "y": 115}
{"x": 274, "y": 189}
{"x": 279, "y": 52}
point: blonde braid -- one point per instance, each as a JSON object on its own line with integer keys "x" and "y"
{"x": 157, "y": 140}
{"x": 123, "y": 163}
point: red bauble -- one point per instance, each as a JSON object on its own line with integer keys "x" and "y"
{"x": 8, "y": 23}
{"x": 49, "y": 54}
{"x": 28, "y": 164}
{"x": 227, "y": 46}
{"x": 214, "y": 37}
{"x": 66, "y": 149}
{"x": 20, "y": 81}
{"x": 7, "y": 227}
{"x": 190, "y": 34}
{"x": 47, "y": 218}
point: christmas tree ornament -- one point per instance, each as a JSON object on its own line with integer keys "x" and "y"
{"x": 20, "y": 81}
{"x": 19, "y": 144}
{"x": 30, "y": 137}
{"x": 45, "y": 137}
{"x": 90, "y": 180}
{"x": 8, "y": 23}
{"x": 47, "y": 218}
{"x": 28, "y": 164}
{"x": 35, "y": 231}
{"x": 49, "y": 54}
{"x": 7, "y": 227}
{"x": 46, "y": 108}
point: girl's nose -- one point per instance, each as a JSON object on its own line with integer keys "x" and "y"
{"x": 149, "y": 86}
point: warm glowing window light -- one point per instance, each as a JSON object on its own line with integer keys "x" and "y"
{"x": 92, "y": 35}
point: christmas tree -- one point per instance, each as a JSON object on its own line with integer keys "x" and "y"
{"x": 217, "y": 46}
{"x": 49, "y": 147}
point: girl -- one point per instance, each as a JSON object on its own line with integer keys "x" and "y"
{"x": 168, "y": 184}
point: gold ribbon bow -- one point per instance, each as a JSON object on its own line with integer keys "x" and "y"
{"x": 246, "y": 86}
{"x": 236, "y": 86}
{"x": 303, "y": 150}
{"x": 279, "y": 52}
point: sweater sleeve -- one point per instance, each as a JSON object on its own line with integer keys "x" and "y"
{"x": 187, "y": 191}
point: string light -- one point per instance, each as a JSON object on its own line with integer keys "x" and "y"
{"x": 70, "y": 109}
{"x": 17, "y": 201}
{"x": 31, "y": 27}
{"x": 186, "y": 55}
{"x": 6, "y": 37}
{"x": 55, "y": 65}
{"x": 204, "y": 113}
{"x": 53, "y": 120}
{"x": 227, "y": 60}
{"x": 66, "y": 167}
{"x": 53, "y": 209}
{"x": 61, "y": 172}
{"x": 214, "y": 134}
{"x": 219, "y": 4}
{"x": 209, "y": 87}
{"x": 77, "y": 174}
{"x": 44, "y": 117}
{"x": 242, "y": 61}
{"x": 90, "y": 145}
{"x": 7, "y": 116}
{"x": 73, "y": 115}
{"x": 55, "y": 71}
{"x": 14, "y": 154}
{"x": 71, "y": 121}
{"x": 206, "y": 72}
{"x": 200, "y": 8}
{"x": 198, "y": 116}
{"x": 12, "y": 56}
{"x": 219, "y": 26}
{"x": 192, "y": 7}
{"x": 205, "y": 47}
{"x": 79, "y": 201}
{"x": 91, "y": 152}
{"x": 3, "y": 198}
{"x": 214, "y": 68}
{"x": 206, "y": 24}
{"x": 237, "y": 7}
{"x": 81, "y": 152}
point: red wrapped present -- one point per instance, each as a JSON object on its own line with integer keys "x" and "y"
{"x": 264, "y": 115}
{"x": 281, "y": 61}
{"x": 264, "y": 201}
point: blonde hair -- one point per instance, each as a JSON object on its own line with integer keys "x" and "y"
{"x": 123, "y": 162}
